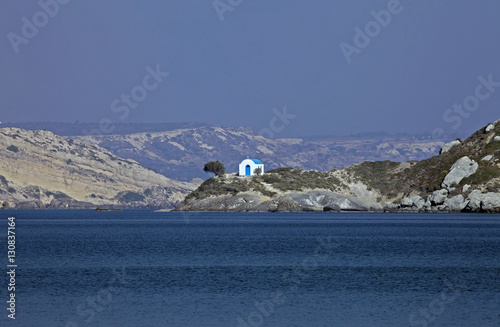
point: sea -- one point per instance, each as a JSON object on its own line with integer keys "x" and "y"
{"x": 74, "y": 268}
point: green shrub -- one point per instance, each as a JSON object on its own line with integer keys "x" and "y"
{"x": 215, "y": 167}
{"x": 271, "y": 178}
{"x": 434, "y": 187}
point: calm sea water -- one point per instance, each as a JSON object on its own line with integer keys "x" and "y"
{"x": 140, "y": 268}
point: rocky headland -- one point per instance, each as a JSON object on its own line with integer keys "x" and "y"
{"x": 464, "y": 177}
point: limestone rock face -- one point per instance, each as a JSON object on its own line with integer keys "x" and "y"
{"x": 438, "y": 197}
{"x": 489, "y": 128}
{"x": 329, "y": 199}
{"x": 464, "y": 167}
{"x": 456, "y": 203}
{"x": 483, "y": 202}
{"x": 447, "y": 147}
{"x": 288, "y": 202}
{"x": 415, "y": 202}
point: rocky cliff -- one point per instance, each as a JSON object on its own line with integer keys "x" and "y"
{"x": 39, "y": 169}
{"x": 465, "y": 176}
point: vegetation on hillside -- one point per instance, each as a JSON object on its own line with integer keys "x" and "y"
{"x": 281, "y": 179}
{"x": 427, "y": 175}
{"x": 377, "y": 175}
{"x": 289, "y": 179}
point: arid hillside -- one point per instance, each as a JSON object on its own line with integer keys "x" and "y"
{"x": 39, "y": 169}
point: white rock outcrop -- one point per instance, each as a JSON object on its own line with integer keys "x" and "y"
{"x": 487, "y": 158}
{"x": 438, "y": 197}
{"x": 483, "y": 202}
{"x": 464, "y": 167}
{"x": 489, "y": 128}
{"x": 447, "y": 147}
{"x": 415, "y": 202}
{"x": 456, "y": 203}
{"x": 497, "y": 138}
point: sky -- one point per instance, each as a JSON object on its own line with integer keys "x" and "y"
{"x": 283, "y": 67}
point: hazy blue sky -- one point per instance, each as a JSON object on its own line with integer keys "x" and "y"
{"x": 262, "y": 55}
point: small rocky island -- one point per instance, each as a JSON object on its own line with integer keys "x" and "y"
{"x": 464, "y": 177}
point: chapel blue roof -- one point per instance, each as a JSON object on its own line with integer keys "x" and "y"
{"x": 256, "y": 161}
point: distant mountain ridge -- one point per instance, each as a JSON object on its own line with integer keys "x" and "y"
{"x": 181, "y": 153}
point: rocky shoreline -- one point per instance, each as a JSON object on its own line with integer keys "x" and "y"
{"x": 440, "y": 202}
{"x": 325, "y": 201}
